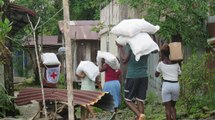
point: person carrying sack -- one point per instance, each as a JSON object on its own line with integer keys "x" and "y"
{"x": 51, "y": 70}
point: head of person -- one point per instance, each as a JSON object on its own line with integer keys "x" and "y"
{"x": 102, "y": 60}
{"x": 165, "y": 51}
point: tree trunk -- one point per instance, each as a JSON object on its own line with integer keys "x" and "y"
{"x": 8, "y": 65}
{"x": 6, "y": 57}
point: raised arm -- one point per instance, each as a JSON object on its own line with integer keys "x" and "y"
{"x": 103, "y": 67}
{"x": 81, "y": 75}
{"x": 125, "y": 57}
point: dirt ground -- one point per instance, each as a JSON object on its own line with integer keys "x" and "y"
{"x": 28, "y": 111}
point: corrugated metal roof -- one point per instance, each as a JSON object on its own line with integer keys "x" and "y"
{"x": 18, "y": 17}
{"x": 46, "y": 40}
{"x": 81, "y": 30}
{"x": 102, "y": 100}
{"x": 22, "y": 9}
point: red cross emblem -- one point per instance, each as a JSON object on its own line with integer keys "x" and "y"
{"x": 53, "y": 75}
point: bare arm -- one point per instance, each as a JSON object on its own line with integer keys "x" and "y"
{"x": 81, "y": 75}
{"x": 125, "y": 57}
{"x": 98, "y": 83}
{"x": 103, "y": 68}
{"x": 157, "y": 74}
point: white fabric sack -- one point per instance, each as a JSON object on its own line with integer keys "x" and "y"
{"x": 149, "y": 28}
{"x": 89, "y": 68}
{"x": 110, "y": 59}
{"x": 131, "y": 27}
{"x": 128, "y": 27}
{"x": 141, "y": 44}
{"x": 122, "y": 40}
{"x": 50, "y": 59}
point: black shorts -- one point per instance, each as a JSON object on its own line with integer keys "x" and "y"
{"x": 136, "y": 88}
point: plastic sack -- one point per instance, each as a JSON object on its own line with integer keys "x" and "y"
{"x": 141, "y": 44}
{"x": 122, "y": 40}
{"x": 131, "y": 27}
{"x": 89, "y": 68}
{"x": 110, "y": 59}
{"x": 50, "y": 59}
{"x": 149, "y": 28}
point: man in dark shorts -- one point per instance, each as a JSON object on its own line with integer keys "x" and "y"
{"x": 136, "y": 83}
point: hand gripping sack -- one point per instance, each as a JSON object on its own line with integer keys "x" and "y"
{"x": 110, "y": 59}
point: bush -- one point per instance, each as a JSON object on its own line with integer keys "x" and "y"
{"x": 7, "y": 107}
{"x": 61, "y": 82}
{"x": 197, "y": 84}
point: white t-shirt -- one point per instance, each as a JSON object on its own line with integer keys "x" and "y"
{"x": 169, "y": 71}
{"x": 87, "y": 84}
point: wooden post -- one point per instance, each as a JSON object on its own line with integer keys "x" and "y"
{"x": 83, "y": 113}
{"x": 68, "y": 52}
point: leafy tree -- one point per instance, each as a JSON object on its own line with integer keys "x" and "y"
{"x": 45, "y": 9}
{"x": 79, "y": 10}
{"x": 6, "y": 105}
{"x": 5, "y": 56}
{"x": 185, "y": 18}
{"x": 86, "y": 9}
{"x": 4, "y": 29}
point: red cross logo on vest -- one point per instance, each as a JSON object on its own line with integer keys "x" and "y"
{"x": 52, "y": 74}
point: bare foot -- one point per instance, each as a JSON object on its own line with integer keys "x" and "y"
{"x": 141, "y": 117}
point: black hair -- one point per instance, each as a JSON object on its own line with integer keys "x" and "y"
{"x": 165, "y": 50}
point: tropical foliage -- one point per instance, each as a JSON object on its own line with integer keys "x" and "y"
{"x": 185, "y": 18}
{"x": 5, "y": 27}
{"x": 6, "y": 105}
{"x": 197, "y": 84}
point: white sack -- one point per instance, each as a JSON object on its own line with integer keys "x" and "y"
{"x": 131, "y": 27}
{"x": 141, "y": 44}
{"x": 110, "y": 59}
{"x": 149, "y": 28}
{"x": 122, "y": 40}
{"x": 50, "y": 59}
{"x": 89, "y": 68}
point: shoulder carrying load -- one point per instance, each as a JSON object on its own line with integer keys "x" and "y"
{"x": 50, "y": 59}
{"x": 131, "y": 27}
{"x": 175, "y": 51}
{"x": 89, "y": 68}
{"x": 110, "y": 59}
{"x": 141, "y": 44}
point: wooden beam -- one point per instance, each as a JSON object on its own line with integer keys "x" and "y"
{"x": 69, "y": 70}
